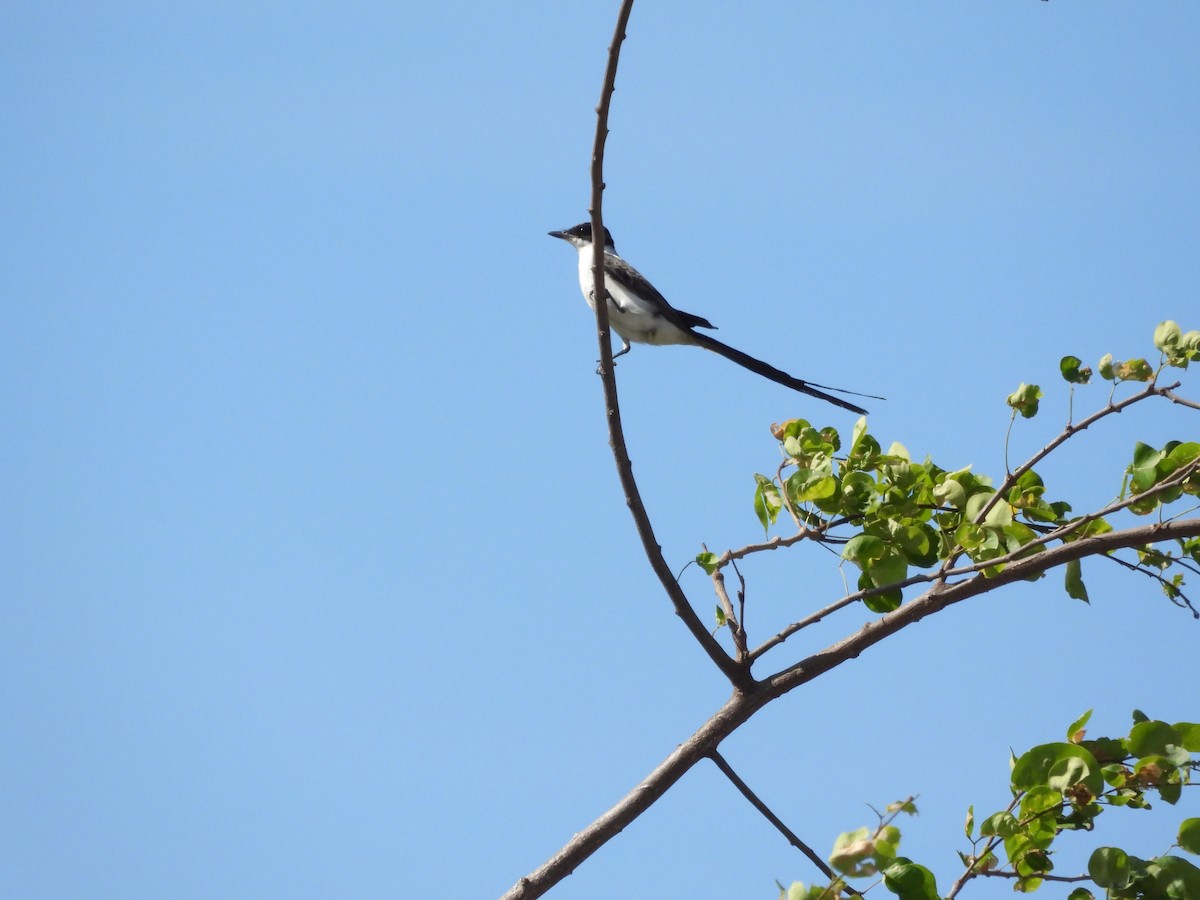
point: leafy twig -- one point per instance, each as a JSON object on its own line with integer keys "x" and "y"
{"x": 975, "y": 568}
{"x": 1065, "y": 435}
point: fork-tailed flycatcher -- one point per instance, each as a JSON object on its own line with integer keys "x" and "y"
{"x": 638, "y": 313}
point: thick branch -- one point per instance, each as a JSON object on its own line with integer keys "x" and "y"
{"x": 942, "y": 595}
{"x": 746, "y": 702}
{"x": 940, "y": 576}
{"x": 739, "y": 708}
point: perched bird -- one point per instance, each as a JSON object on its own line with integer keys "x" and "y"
{"x": 638, "y": 313}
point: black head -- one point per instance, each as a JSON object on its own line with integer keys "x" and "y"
{"x": 581, "y": 236}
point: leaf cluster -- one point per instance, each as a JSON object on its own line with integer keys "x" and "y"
{"x": 1065, "y": 786}
{"x": 911, "y": 515}
{"x": 1057, "y": 788}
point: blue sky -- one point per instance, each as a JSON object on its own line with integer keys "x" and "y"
{"x": 318, "y": 581}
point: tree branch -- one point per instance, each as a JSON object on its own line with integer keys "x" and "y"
{"x": 975, "y": 568}
{"x": 758, "y": 804}
{"x": 942, "y": 595}
{"x": 739, "y": 675}
{"x": 740, "y": 707}
{"x": 1151, "y": 390}
{"x": 1170, "y": 394}
{"x": 747, "y": 701}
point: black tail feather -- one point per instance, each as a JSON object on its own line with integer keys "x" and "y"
{"x": 758, "y": 367}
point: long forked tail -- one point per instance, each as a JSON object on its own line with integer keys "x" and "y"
{"x": 759, "y": 367}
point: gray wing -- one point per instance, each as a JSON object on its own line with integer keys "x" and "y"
{"x": 633, "y": 280}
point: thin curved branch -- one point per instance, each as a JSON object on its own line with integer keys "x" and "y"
{"x": 1151, "y": 390}
{"x": 1178, "y": 597}
{"x": 811, "y": 619}
{"x": 758, "y": 804}
{"x": 737, "y": 674}
{"x": 774, "y": 543}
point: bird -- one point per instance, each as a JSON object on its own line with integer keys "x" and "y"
{"x": 639, "y": 314}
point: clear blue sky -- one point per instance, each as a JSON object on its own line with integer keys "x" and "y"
{"x": 316, "y": 577}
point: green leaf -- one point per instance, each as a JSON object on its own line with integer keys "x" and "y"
{"x": 970, "y": 537}
{"x": 1060, "y": 766}
{"x": 1074, "y": 371}
{"x": 767, "y": 502}
{"x": 862, "y": 548}
{"x": 1081, "y": 894}
{"x": 1135, "y": 370}
{"x": 707, "y": 561}
{"x": 1075, "y": 731}
{"x": 1106, "y": 367}
{"x": 884, "y": 602}
{"x": 950, "y": 492}
{"x": 1090, "y": 529}
{"x": 1025, "y": 400}
{"x": 998, "y": 516}
{"x": 1187, "y": 351}
{"x": 806, "y": 485}
{"x": 722, "y": 620}
{"x": 969, "y": 826}
{"x": 910, "y": 881}
{"x": 1155, "y": 738}
{"x": 858, "y": 490}
{"x": 1168, "y": 336}
{"x": 1189, "y": 734}
{"x": 1189, "y": 835}
{"x": 1040, "y": 799}
{"x": 1076, "y": 589}
{"x": 887, "y": 839}
{"x": 1143, "y": 471}
{"x": 890, "y": 568}
{"x": 1109, "y": 867}
{"x": 860, "y": 428}
{"x": 1001, "y": 824}
{"x": 1180, "y": 455}
{"x": 918, "y": 541}
{"x": 1175, "y": 878}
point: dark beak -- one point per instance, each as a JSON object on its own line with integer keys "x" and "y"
{"x": 557, "y": 234}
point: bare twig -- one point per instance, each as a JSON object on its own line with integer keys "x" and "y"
{"x": 1041, "y": 876}
{"x": 787, "y": 500}
{"x": 741, "y": 611}
{"x": 735, "y": 625}
{"x": 758, "y": 804}
{"x": 1170, "y": 394}
{"x": 811, "y": 619}
{"x": 774, "y": 543}
{"x": 1175, "y": 595}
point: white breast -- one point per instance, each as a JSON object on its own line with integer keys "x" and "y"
{"x": 628, "y": 315}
